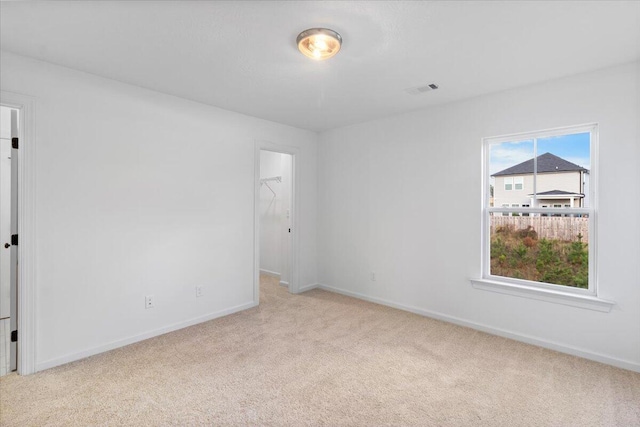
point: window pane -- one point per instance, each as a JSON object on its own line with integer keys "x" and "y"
{"x": 563, "y": 164}
{"x": 541, "y": 249}
{"x": 508, "y": 183}
{"x": 518, "y": 182}
{"x": 505, "y": 168}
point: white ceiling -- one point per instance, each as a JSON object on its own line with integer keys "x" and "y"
{"x": 242, "y": 56}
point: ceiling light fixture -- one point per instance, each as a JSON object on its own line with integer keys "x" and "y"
{"x": 319, "y": 43}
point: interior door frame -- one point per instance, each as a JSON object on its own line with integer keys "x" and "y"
{"x": 26, "y": 281}
{"x": 294, "y": 282}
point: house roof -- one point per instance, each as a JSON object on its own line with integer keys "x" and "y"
{"x": 558, "y": 193}
{"x": 547, "y": 162}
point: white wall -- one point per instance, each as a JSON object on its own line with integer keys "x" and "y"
{"x": 384, "y": 206}
{"x": 274, "y": 242}
{"x": 142, "y": 193}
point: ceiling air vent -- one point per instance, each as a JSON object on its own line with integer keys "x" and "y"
{"x": 421, "y": 89}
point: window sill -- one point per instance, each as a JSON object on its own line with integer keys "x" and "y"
{"x": 558, "y": 297}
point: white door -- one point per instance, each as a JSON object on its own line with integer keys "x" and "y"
{"x": 13, "y": 268}
{"x": 8, "y": 227}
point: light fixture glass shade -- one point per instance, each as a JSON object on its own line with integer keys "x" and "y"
{"x": 319, "y": 43}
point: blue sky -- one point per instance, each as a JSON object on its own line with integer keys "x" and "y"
{"x": 574, "y": 148}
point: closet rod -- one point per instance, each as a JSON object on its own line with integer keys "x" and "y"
{"x": 266, "y": 181}
{"x": 273, "y": 178}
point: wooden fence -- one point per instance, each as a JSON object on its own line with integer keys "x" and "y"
{"x": 547, "y": 227}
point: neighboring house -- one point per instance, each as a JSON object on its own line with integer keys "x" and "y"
{"x": 560, "y": 184}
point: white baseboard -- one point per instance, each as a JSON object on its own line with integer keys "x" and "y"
{"x": 562, "y": 348}
{"x": 283, "y": 283}
{"x": 308, "y": 288}
{"x": 140, "y": 337}
{"x": 269, "y": 273}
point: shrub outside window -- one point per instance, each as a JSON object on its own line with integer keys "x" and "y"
{"x": 543, "y": 236}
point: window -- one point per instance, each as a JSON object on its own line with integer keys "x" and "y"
{"x": 518, "y": 182}
{"x": 508, "y": 184}
{"x": 544, "y": 244}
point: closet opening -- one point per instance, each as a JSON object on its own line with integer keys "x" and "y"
{"x": 275, "y": 222}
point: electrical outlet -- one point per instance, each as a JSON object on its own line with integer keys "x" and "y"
{"x": 198, "y": 291}
{"x": 373, "y": 276}
{"x": 148, "y": 301}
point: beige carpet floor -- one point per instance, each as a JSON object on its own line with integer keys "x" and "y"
{"x": 324, "y": 359}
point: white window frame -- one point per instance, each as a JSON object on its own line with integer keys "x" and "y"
{"x": 578, "y": 297}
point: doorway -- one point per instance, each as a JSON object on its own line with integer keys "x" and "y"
{"x": 275, "y": 217}
{"x": 8, "y": 238}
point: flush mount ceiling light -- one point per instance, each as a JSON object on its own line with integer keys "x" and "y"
{"x": 319, "y": 43}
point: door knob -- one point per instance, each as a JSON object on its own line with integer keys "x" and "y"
{"x": 7, "y": 245}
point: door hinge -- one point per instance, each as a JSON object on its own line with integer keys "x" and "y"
{"x": 15, "y": 143}
{"x": 289, "y": 230}
{"x": 14, "y": 336}
{"x": 14, "y": 239}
